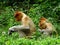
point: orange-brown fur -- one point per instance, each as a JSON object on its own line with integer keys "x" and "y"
{"x": 44, "y": 24}
{"x": 18, "y": 16}
{"x": 26, "y": 22}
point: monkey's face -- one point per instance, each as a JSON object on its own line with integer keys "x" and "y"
{"x": 18, "y": 16}
{"x": 42, "y": 23}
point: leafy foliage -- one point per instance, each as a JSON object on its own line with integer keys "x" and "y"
{"x": 34, "y": 9}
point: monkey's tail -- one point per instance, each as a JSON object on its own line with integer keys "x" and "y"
{"x": 56, "y": 33}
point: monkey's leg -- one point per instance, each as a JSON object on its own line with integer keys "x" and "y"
{"x": 44, "y": 31}
{"x": 21, "y": 34}
{"x": 24, "y": 31}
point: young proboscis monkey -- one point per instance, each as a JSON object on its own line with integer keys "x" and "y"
{"x": 27, "y": 26}
{"x": 46, "y": 27}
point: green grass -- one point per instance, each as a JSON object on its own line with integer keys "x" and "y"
{"x": 13, "y": 39}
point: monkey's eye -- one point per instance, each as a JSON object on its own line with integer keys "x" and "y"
{"x": 39, "y": 21}
{"x": 16, "y": 15}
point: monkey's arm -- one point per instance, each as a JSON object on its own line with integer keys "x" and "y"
{"x": 44, "y": 30}
{"x": 41, "y": 30}
{"x": 17, "y": 28}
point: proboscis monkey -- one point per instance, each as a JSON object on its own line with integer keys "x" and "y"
{"x": 46, "y": 27}
{"x": 27, "y": 26}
